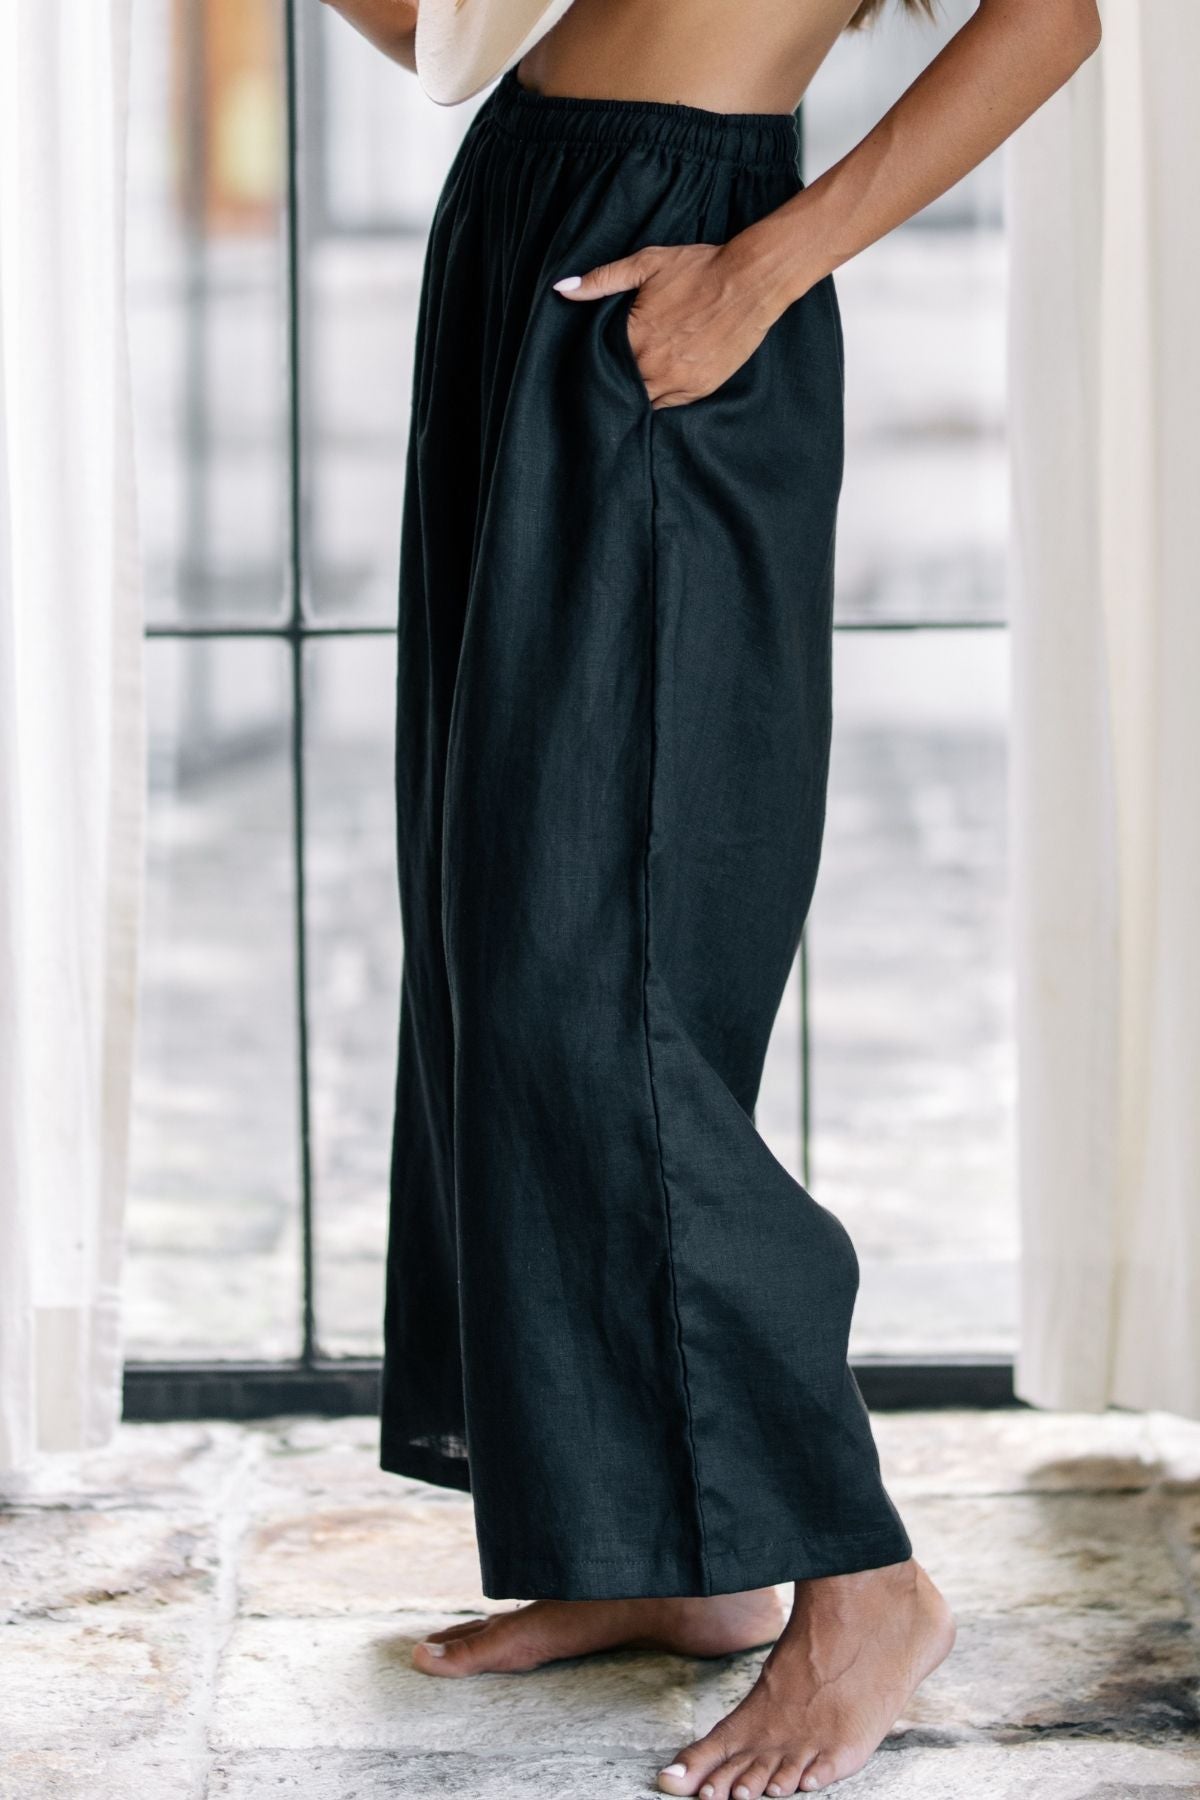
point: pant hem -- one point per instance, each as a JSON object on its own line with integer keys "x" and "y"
{"x": 419, "y": 1464}
{"x": 634, "y": 1578}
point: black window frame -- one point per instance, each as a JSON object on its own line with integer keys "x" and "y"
{"x": 331, "y": 1386}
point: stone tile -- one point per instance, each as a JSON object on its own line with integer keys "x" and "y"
{"x": 1177, "y": 1444}
{"x": 331, "y": 1532}
{"x": 1013, "y": 1450}
{"x": 372, "y": 1775}
{"x": 1181, "y": 1511}
{"x": 1034, "y": 1671}
{"x": 59, "y": 1563}
{"x": 415, "y": 1556}
{"x": 1105, "y": 1552}
{"x": 1056, "y": 1770}
{"x": 349, "y": 1684}
{"x": 92, "y": 1690}
{"x": 331, "y": 1460}
{"x": 1038, "y": 1770}
{"x": 133, "y": 1775}
{"x": 159, "y": 1465}
{"x": 1050, "y": 1671}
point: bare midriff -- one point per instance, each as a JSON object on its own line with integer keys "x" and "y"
{"x": 725, "y": 55}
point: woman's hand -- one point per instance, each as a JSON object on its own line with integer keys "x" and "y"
{"x": 699, "y": 313}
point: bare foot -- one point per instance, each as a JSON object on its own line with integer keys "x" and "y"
{"x": 547, "y": 1630}
{"x": 853, "y": 1652}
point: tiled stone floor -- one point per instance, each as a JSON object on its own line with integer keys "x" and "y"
{"x": 227, "y": 1612}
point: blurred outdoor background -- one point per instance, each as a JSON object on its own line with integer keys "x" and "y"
{"x": 281, "y": 183}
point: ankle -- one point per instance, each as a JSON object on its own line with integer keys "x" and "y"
{"x": 860, "y": 1584}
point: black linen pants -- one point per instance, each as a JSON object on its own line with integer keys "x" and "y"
{"x": 611, "y": 1313}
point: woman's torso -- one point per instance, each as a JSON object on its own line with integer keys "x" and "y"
{"x": 726, "y": 55}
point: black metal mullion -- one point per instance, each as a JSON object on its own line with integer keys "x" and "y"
{"x": 337, "y": 1387}
{"x": 288, "y": 630}
{"x": 294, "y": 636}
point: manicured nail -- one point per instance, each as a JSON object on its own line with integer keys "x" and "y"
{"x": 434, "y": 1649}
{"x": 675, "y": 1769}
{"x": 567, "y": 283}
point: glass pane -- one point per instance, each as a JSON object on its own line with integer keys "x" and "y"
{"x": 208, "y": 306}
{"x": 924, "y": 507}
{"x": 913, "y": 1075}
{"x": 377, "y": 153}
{"x": 779, "y": 1114}
{"x": 213, "y": 1265}
{"x": 354, "y": 976}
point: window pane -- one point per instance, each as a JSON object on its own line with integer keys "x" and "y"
{"x": 924, "y": 507}
{"x": 208, "y": 306}
{"x": 779, "y": 1114}
{"x": 378, "y": 150}
{"x": 354, "y": 976}
{"x": 912, "y": 1077}
{"x": 213, "y": 1262}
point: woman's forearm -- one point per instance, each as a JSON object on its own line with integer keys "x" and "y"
{"x": 390, "y": 25}
{"x": 1008, "y": 58}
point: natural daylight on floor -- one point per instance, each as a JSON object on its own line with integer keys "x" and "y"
{"x": 215, "y": 1612}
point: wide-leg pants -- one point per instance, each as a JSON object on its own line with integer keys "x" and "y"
{"x": 611, "y": 1313}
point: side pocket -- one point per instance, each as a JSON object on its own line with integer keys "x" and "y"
{"x": 617, "y": 325}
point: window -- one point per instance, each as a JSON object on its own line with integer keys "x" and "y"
{"x": 282, "y": 175}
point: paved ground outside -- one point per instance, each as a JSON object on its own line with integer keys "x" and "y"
{"x": 226, "y": 1613}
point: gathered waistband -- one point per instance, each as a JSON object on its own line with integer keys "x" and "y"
{"x": 745, "y": 138}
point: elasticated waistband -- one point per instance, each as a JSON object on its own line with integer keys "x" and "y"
{"x": 746, "y": 138}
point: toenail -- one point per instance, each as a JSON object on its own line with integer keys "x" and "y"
{"x": 741, "y": 1793}
{"x": 774, "y": 1790}
{"x": 675, "y": 1769}
{"x": 434, "y": 1649}
{"x": 707, "y": 1791}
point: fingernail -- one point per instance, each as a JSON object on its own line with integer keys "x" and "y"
{"x": 673, "y": 1769}
{"x": 434, "y": 1649}
{"x": 567, "y": 283}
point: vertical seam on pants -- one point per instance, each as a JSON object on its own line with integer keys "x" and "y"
{"x": 646, "y": 924}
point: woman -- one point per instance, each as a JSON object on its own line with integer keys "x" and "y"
{"x": 611, "y": 1314}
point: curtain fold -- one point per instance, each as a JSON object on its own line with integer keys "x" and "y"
{"x": 1104, "y": 232}
{"x": 71, "y": 722}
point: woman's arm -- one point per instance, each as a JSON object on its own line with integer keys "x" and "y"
{"x": 704, "y": 308}
{"x": 390, "y": 25}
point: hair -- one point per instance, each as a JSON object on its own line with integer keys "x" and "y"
{"x": 868, "y": 10}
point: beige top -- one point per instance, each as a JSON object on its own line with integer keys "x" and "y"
{"x": 462, "y": 45}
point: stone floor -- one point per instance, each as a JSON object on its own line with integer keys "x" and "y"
{"x": 227, "y": 1612}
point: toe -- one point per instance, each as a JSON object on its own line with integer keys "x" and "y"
{"x": 725, "y": 1782}
{"x": 693, "y": 1770}
{"x": 786, "y": 1779}
{"x": 467, "y": 1628}
{"x": 468, "y": 1653}
{"x": 751, "y": 1784}
{"x": 819, "y": 1773}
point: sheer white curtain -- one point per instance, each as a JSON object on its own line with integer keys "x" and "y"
{"x": 1104, "y": 211}
{"x": 71, "y": 744}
